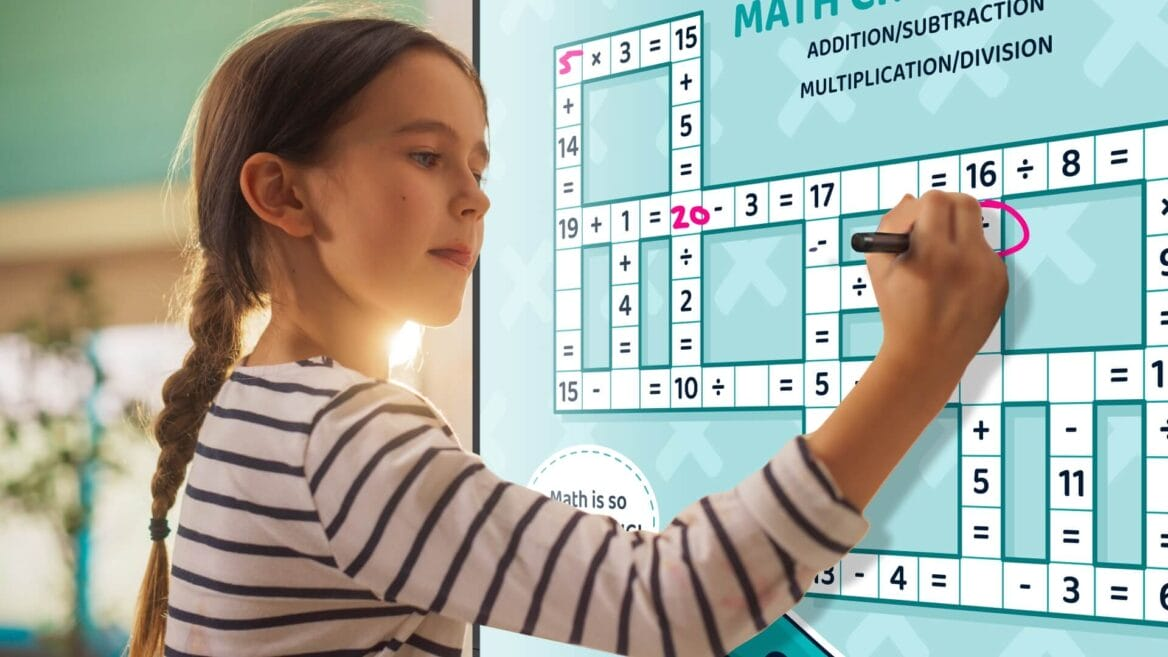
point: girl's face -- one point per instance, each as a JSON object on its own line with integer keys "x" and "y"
{"x": 398, "y": 200}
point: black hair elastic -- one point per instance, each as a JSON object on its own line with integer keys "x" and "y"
{"x": 159, "y": 529}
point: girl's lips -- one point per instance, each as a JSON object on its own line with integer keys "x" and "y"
{"x": 461, "y": 258}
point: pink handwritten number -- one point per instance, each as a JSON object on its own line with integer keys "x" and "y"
{"x": 998, "y": 205}
{"x": 697, "y": 214}
{"x": 567, "y": 65}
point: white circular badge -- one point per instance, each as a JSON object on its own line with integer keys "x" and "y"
{"x": 596, "y": 479}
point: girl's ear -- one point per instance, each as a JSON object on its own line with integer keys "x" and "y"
{"x": 268, "y": 185}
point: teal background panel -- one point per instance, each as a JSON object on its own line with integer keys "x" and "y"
{"x": 1025, "y": 464}
{"x": 916, "y": 510}
{"x": 1079, "y": 282}
{"x": 626, "y": 142}
{"x": 655, "y": 349}
{"x": 1119, "y": 484}
{"x": 753, "y": 294}
{"x": 860, "y": 334}
{"x": 597, "y": 307}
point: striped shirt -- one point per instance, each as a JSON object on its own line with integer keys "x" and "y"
{"x": 327, "y": 513}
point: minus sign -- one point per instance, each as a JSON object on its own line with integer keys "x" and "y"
{"x": 858, "y": 575}
{"x": 1024, "y": 587}
{"x": 718, "y": 209}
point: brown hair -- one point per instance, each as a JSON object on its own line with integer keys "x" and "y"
{"x": 282, "y": 88}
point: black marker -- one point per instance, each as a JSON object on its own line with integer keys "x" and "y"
{"x": 880, "y": 242}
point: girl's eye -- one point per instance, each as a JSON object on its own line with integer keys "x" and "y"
{"x": 425, "y": 158}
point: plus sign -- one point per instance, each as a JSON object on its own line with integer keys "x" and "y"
{"x": 596, "y": 225}
{"x": 625, "y": 262}
{"x": 568, "y": 106}
{"x": 685, "y": 81}
{"x": 981, "y": 430}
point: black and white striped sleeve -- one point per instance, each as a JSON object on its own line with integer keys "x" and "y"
{"x": 421, "y": 522}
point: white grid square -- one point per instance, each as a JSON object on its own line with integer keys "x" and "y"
{"x": 1157, "y": 485}
{"x": 1024, "y": 377}
{"x": 904, "y": 571}
{"x": 596, "y": 64}
{"x": 626, "y": 221}
{"x": 689, "y": 43}
{"x": 686, "y": 81}
{"x": 1070, "y": 476}
{"x": 568, "y": 394}
{"x": 822, "y": 290}
{"x": 1119, "y": 156}
{"x": 1072, "y": 163}
{"x": 719, "y": 387}
{"x": 750, "y": 385}
{"x": 856, "y": 288}
{"x": 1156, "y": 428}
{"x": 1072, "y": 377}
{"x": 940, "y": 580}
{"x": 982, "y": 381}
{"x": 981, "y": 174}
{"x": 655, "y": 388}
{"x": 595, "y": 390}
{"x": 1025, "y": 169}
{"x": 821, "y": 196}
{"x": 687, "y": 256}
{"x": 567, "y": 350}
{"x": 981, "y": 532}
{"x": 981, "y": 583}
{"x": 861, "y": 575}
{"x": 991, "y": 227}
{"x": 822, "y": 239}
{"x": 1071, "y": 430}
{"x": 687, "y": 344}
{"x": 1156, "y": 152}
{"x": 822, "y": 336}
{"x": 1025, "y": 586}
{"x": 859, "y": 191}
{"x": 822, "y": 383}
{"x": 938, "y": 173}
{"x": 596, "y": 224}
{"x": 720, "y": 204}
{"x": 1072, "y": 536}
{"x": 567, "y": 187}
{"x": 813, "y": 418}
{"x": 687, "y": 172}
{"x": 681, "y": 205}
{"x": 1154, "y": 607}
{"x": 1119, "y": 374}
{"x": 575, "y": 66}
{"x": 655, "y": 45}
{"x": 850, "y": 373}
{"x": 750, "y": 204}
{"x": 1119, "y": 593}
{"x": 655, "y": 217}
{"x": 1157, "y": 209}
{"x": 896, "y": 180}
{"x": 687, "y": 125}
{"x": 626, "y": 52}
{"x": 1157, "y": 547}
{"x": 567, "y": 310}
{"x": 786, "y": 384}
{"x": 625, "y": 347}
{"x": 993, "y": 343}
{"x": 568, "y": 269}
{"x": 981, "y": 430}
{"x": 568, "y": 105}
{"x": 786, "y": 199}
{"x": 1155, "y": 378}
{"x": 1072, "y": 589}
{"x": 981, "y": 481}
{"x": 626, "y": 386}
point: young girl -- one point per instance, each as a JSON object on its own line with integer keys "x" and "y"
{"x": 337, "y": 167}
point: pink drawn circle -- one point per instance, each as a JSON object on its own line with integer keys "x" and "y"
{"x": 998, "y": 205}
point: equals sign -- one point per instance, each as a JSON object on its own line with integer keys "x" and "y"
{"x": 981, "y": 531}
{"x": 686, "y": 344}
{"x": 686, "y": 168}
{"x": 1071, "y": 536}
{"x": 786, "y": 200}
{"x": 718, "y": 387}
{"x": 654, "y": 388}
{"x": 1119, "y": 593}
{"x": 1164, "y": 540}
{"x": 939, "y": 580}
{"x": 654, "y": 45}
{"x": 1164, "y": 318}
{"x": 1119, "y": 375}
{"x": 569, "y": 350}
{"x": 655, "y": 216}
{"x": 1119, "y": 156}
{"x": 938, "y": 180}
{"x": 626, "y": 347}
{"x": 1025, "y": 169}
{"x": 568, "y": 187}
{"x": 786, "y": 385}
{"x": 824, "y": 243}
{"x": 821, "y": 337}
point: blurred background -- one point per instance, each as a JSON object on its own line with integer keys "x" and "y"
{"x": 93, "y": 98}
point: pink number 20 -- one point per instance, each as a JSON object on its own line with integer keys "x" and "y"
{"x": 697, "y": 214}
